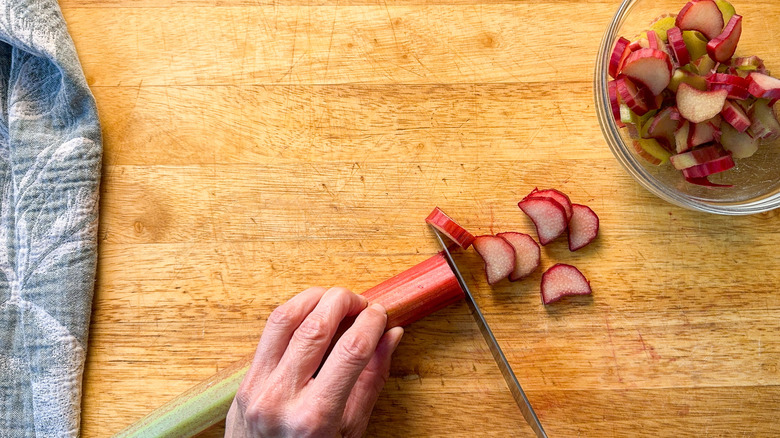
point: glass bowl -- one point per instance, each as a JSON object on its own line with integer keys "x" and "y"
{"x": 755, "y": 180}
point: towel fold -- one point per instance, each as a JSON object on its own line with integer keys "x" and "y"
{"x": 50, "y": 157}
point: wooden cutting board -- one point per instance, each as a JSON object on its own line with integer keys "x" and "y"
{"x": 254, "y": 148}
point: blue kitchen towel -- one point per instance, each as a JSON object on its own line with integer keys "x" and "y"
{"x": 50, "y": 157}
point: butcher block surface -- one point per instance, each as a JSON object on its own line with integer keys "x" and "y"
{"x": 256, "y": 148}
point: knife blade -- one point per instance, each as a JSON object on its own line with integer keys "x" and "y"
{"x": 503, "y": 364}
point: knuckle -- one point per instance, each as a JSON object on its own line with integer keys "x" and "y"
{"x": 310, "y": 422}
{"x": 282, "y": 316}
{"x": 355, "y": 349}
{"x": 261, "y": 414}
{"x": 315, "y": 328}
{"x": 244, "y": 397}
{"x": 338, "y": 294}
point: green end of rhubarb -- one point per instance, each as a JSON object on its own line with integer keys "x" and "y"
{"x": 696, "y": 43}
{"x": 652, "y": 147}
{"x": 661, "y": 25}
{"x": 194, "y": 411}
{"x": 727, "y": 9}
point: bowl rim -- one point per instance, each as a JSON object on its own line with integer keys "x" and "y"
{"x": 630, "y": 162}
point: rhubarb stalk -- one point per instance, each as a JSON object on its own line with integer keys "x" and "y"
{"x": 408, "y": 297}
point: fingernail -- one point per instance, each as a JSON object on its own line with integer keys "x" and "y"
{"x": 399, "y": 333}
{"x": 379, "y": 308}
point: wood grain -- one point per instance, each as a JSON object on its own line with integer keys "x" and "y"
{"x": 255, "y": 148}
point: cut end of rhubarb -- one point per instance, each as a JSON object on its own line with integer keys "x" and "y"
{"x": 563, "y": 280}
{"x": 450, "y": 228}
{"x": 583, "y": 227}
{"x": 498, "y": 255}
{"x": 548, "y": 215}
{"x": 527, "y": 254}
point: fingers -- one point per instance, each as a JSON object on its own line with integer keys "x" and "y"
{"x": 279, "y": 329}
{"x": 349, "y": 357}
{"x": 311, "y": 339}
{"x": 368, "y": 386}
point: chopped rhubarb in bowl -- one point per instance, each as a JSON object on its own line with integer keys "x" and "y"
{"x": 687, "y": 97}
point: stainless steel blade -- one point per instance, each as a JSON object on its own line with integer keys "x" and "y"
{"x": 495, "y": 349}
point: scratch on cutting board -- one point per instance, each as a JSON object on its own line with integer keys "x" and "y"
{"x": 649, "y": 351}
{"x": 612, "y": 345}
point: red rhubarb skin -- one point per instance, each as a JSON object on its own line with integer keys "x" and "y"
{"x": 417, "y": 292}
{"x": 442, "y": 222}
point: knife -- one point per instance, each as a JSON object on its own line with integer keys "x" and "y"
{"x": 495, "y": 349}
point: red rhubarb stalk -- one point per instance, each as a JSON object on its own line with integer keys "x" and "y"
{"x": 408, "y": 297}
{"x": 417, "y": 292}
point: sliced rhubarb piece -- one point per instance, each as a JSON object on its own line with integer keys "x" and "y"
{"x": 724, "y": 78}
{"x": 651, "y": 67}
{"x": 651, "y": 150}
{"x": 638, "y": 97}
{"x": 563, "y": 280}
{"x": 703, "y": 65}
{"x": 662, "y": 24}
{"x": 548, "y": 216}
{"x": 735, "y": 116}
{"x": 726, "y": 9}
{"x": 614, "y": 103}
{"x": 763, "y": 124}
{"x": 722, "y": 47}
{"x": 748, "y": 63}
{"x": 619, "y": 54}
{"x": 740, "y": 144}
{"x": 527, "y": 254}
{"x": 498, "y": 255}
{"x": 709, "y": 168}
{"x": 681, "y": 137}
{"x": 557, "y": 195}
{"x": 681, "y": 76}
{"x": 736, "y": 86}
{"x": 679, "y": 50}
{"x": 701, "y": 15}
{"x": 697, "y": 106}
{"x": 583, "y": 227}
{"x": 695, "y": 157}
{"x": 654, "y": 41}
{"x": 704, "y": 132}
{"x": 696, "y": 43}
{"x": 763, "y": 86}
{"x": 450, "y": 228}
{"x": 664, "y": 124}
{"x": 734, "y": 91}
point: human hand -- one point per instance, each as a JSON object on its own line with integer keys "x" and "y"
{"x": 280, "y": 397}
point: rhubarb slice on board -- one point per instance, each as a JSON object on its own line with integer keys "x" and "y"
{"x": 557, "y": 195}
{"x": 583, "y": 227}
{"x": 498, "y": 255}
{"x": 563, "y": 280}
{"x": 548, "y": 215}
{"x": 527, "y": 254}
